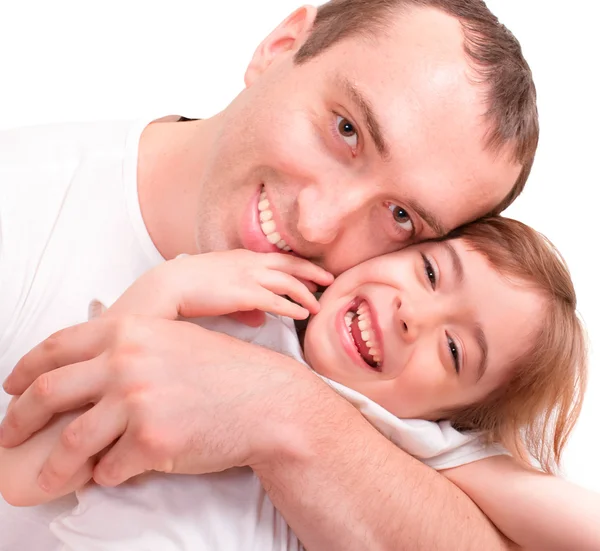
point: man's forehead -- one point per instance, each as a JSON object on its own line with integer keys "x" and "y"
{"x": 430, "y": 119}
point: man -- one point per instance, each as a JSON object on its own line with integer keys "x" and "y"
{"x": 369, "y": 125}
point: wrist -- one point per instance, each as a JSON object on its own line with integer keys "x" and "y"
{"x": 170, "y": 281}
{"x": 283, "y": 428}
{"x": 300, "y": 421}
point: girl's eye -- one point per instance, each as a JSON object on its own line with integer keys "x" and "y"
{"x": 429, "y": 271}
{"x": 454, "y": 351}
{"x": 347, "y": 131}
{"x": 401, "y": 217}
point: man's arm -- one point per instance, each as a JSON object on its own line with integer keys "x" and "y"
{"x": 343, "y": 486}
{"x": 178, "y": 398}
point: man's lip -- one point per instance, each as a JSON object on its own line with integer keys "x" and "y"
{"x": 279, "y": 225}
{"x": 251, "y": 234}
{"x": 346, "y": 339}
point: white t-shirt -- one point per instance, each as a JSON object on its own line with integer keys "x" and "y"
{"x": 71, "y": 231}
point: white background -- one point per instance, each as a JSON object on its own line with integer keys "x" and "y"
{"x": 113, "y": 59}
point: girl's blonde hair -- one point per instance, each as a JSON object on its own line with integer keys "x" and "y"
{"x": 533, "y": 414}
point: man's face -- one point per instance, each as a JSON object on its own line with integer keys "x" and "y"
{"x": 371, "y": 145}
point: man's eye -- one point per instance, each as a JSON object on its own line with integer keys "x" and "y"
{"x": 429, "y": 271}
{"x": 347, "y": 131}
{"x": 401, "y": 217}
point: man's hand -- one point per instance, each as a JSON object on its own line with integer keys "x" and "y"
{"x": 163, "y": 392}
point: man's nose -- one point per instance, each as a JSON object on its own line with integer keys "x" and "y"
{"x": 324, "y": 211}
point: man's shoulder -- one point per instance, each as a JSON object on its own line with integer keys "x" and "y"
{"x": 54, "y": 142}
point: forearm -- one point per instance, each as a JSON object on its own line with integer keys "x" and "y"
{"x": 341, "y": 485}
{"x": 20, "y": 466}
{"x": 538, "y": 511}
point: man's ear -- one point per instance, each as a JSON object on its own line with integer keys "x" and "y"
{"x": 287, "y": 37}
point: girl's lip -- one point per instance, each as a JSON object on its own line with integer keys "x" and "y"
{"x": 346, "y": 339}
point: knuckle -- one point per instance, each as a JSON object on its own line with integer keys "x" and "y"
{"x": 124, "y": 359}
{"x": 138, "y": 402}
{"x": 109, "y": 472}
{"x": 118, "y": 364}
{"x": 244, "y": 303}
{"x": 41, "y": 387}
{"x": 151, "y": 442}
{"x": 71, "y": 437}
{"x": 11, "y": 421}
{"x": 52, "y": 344}
{"x": 278, "y": 302}
{"x": 51, "y": 473}
{"x": 131, "y": 336}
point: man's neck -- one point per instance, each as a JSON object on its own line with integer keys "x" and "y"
{"x": 171, "y": 156}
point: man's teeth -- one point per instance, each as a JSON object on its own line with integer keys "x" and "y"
{"x": 267, "y": 224}
{"x": 366, "y": 331}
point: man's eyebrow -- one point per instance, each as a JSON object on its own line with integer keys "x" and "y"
{"x": 430, "y": 219}
{"x": 366, "y": 109}
{"x": 482, "y": 342}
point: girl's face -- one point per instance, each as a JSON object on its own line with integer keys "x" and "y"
{"x": 424, "y": 330}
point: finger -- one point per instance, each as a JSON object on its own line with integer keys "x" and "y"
{"x": 271, "y": 302}
{"x": 312, "y": 287}
{"x": 64, "y": 389}
{"x": 251, "y": 318}
{"x": 284, "y": 284}
{"x": 299, "y": 268}
{"x": 80, "y": 440}
{"x": 69, "y": 346}
{"x": 123, "y": 461}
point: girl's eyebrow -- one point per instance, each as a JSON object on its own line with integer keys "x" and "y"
{"x": 457, "y": 265}
{"x": 483, "y": 347}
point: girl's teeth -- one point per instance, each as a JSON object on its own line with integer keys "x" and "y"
{"x": 265, "y": 215}
{"x": 367, "y": 335}
{"x": 273, "y": 238}
{"x": 268, "y": 227}
{"x": 267, "y": 224}
{"x": 348, "y": 317}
